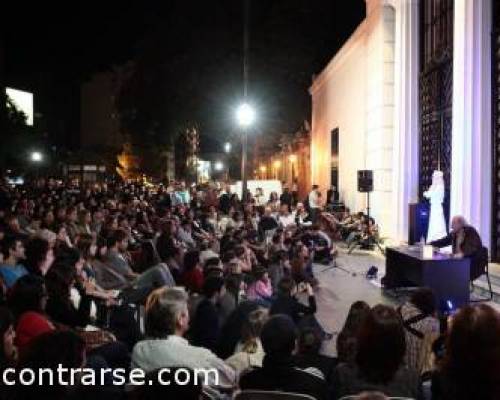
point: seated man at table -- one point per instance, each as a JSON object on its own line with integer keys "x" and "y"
{"x": 463, "y": 238}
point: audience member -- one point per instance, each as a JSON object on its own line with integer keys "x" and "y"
{"x": 249, "y": 352}
{"x": 421, "y": 328}
{"x": 348, "y": 336}
{"x": 278, "y": 372}
{"x": 166, "y": 322}
{"x": 206, "y": 327}
{"x": 376, "y": 368}
{"x": 13, "y": 253}
{"x": 308, "y": 354}
{"x": 471, "y": 362}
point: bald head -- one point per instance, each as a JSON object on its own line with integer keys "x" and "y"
{"x": 458, "y": 222}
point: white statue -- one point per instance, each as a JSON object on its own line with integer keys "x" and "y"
{"x": 435, "y": 194}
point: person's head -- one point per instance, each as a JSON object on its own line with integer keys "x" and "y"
{"x": 61, "y": 232}
{"x": 13, "y": 249}
{"x": 213, "y": 288}
{"x": 287, "y": 287}
{"x": 458, "y": 222}
{"x": 84, "y": 217}
{"x": 212, "y": 265}
{"x": 425, "y": 300}
{"x": 50, "y": 350}
{"x": 279, "y": 337}
{"x": 98, "y": 216}
{"x": 61, "y": 214}
{"x": 167, "y": 313}
{"x": 381, "y": 330}
{"x": 315, "y": 187}
{"x": 7, "y": 334}
{"x": 13, "y": 223}
{"x": 309, "y": 341}
{"x": 28, "y": 294}
{"x": 48, "y": 218}
{"x": 472, "y": 358}
{"x": 191, "y": 260}
{"x": 72, "y": 214}
{"x": 284, "y": 209}
{"x": 118, "y": 240}
{"x": 39, "y": 256}
{"x": 59, "y": 280}
{"x": 86, "y": 246}
{"x": 111, "y": 223}
{"x": 252, "y": 329}
{"x": 240, "y": 252}
{"x": 70, "y": 256}
{"x": 261, "y": 274}
{"x": 355, "y": 317}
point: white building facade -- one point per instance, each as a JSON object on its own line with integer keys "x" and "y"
{"x": 411, "y": 91}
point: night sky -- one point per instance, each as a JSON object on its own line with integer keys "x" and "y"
{"x": 52, "y": 47}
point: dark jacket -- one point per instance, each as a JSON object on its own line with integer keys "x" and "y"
{"x": 283, "y": 376}
{"x": 286, "y": 198}
{"x": 471, "y": 242}
{"x": 323, "y": 363}
{"x": 206, "y": 326}
{"x": 65, "y": 313}
{"x": 290, "y": 306}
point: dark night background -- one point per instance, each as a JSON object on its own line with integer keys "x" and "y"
{"x": 188, "y": 56}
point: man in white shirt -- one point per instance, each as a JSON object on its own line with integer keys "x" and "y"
{"x": 314, "y": 203}
{"x": 167, "y": 320}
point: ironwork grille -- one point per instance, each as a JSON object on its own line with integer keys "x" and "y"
{"x": 436, "y": 89}
{"x": 495, "y": 42}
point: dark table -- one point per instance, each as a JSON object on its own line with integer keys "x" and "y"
{"x": 447, "y": 276}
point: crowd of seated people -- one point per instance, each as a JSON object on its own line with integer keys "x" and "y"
{"x": 129, "y": 276}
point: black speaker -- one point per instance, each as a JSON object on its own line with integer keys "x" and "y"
{"x": 365, "y": 181}
{"x": 418, "y": 222}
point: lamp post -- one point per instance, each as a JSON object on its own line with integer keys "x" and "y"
{"x": 36, "y": 158}
{"x": 245, "y": 115}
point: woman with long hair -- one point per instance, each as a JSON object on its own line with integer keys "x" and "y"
{"x": 39, "y": 256}
{"x": 249, "y": 352}
{"x": 379, "y": 363}
{"x": 347, "y": 338}
{"x": 471, "y": 361}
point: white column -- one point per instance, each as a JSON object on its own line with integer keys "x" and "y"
{"x": 471, "y": 163}
{"x": 406, "y": 115}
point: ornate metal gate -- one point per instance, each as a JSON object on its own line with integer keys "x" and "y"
{"x": 495, "y": 43}
{"x": 436, "y": 87}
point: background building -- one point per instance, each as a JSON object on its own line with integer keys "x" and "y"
{"x": 411, "y": 92}
{"x": 99, "y": 118}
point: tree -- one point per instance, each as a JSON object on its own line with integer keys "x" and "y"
{"x": 18, "y": 139}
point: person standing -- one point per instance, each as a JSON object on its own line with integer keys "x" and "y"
{"x": 286, "y": 197}
{"x": 314, "y": 199}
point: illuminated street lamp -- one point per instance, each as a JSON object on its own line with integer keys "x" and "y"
{"x": 36, "y": 156}
{"x": 227, "y": 147}
{"x": 245, "y": 116}
{"x": 219, "y": 166}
